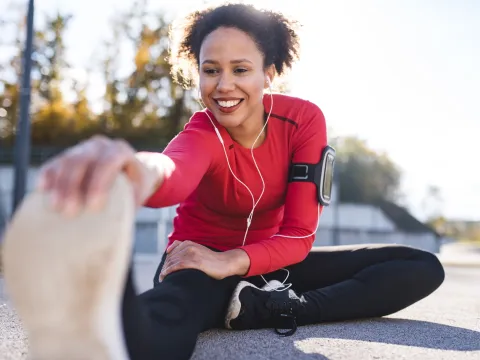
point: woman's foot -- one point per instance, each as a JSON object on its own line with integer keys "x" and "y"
{"x": 272, "y": 306}
{"x": 66, "y": 275}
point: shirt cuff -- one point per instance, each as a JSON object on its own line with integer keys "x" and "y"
{"x": 260, "y": 260}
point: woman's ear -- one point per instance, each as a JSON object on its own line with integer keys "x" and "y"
{"x": 269, "y": 76}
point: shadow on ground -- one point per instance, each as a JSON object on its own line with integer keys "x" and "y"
{"x": 246, "y": 345}
{"x": 265, "y": 344}
{"x": 407, "y": 332}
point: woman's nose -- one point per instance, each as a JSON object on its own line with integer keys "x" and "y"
{"x": 225, "y": 83}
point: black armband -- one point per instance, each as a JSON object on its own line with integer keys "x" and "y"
{"x": 321, "y": 174}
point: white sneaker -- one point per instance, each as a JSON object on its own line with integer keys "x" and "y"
{"x": 65, "y": 276}
{"x": 235, "y": 304}
{"x": 272, "y": 306}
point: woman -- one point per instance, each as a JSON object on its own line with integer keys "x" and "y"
{"x": 240, "y": 252}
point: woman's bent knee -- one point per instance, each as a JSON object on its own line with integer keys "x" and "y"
{"x": 429, "y": 273}
{"x": 435, "y": 268}
{"x": 432, "y": 273}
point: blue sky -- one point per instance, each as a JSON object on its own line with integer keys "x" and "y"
{"x": 403, "y": 75}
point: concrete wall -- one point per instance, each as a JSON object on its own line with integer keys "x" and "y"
{"x": 356, "y": 216}
{"x": 357, "y": 224}
{"x": 151, "y": 224}
{"x": 425, "y": 241}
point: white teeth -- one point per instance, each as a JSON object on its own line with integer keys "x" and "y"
{"x": 229, "y": 103}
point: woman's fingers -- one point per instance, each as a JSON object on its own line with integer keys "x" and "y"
{"x": 83, "y": 174}
{"x": 104, "y": 170}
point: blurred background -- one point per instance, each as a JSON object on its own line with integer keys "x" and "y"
{"x": 398, "y": 82}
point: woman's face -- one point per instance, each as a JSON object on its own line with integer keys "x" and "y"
{"x": 232, "y": 77}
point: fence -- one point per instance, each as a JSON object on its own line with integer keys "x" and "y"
{"x": 153, "y": 226}
{"x": 40, "y": 154}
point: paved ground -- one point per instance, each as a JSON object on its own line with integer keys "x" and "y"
{"x": 444, "y": 326}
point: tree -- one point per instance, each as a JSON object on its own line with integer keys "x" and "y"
{"x": 363, "y": 175}
{"x": 432, "y": 202}
{"x": 9, "y": 105}
{"x": 146, "y": 106}
{"x": 10, "y": 71}
{"x": 52, "y": 114}
{"x": 143, "y": 106}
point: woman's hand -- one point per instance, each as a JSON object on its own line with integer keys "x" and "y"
{"x": 83, "y": 174}
{"x": 190, "y": 255}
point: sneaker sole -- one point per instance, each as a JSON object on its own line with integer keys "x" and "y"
{"x": 65, "y": 276}
{"x": 235, "y": 305}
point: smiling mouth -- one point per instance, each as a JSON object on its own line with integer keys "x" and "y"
{"x": 228, "y": 103}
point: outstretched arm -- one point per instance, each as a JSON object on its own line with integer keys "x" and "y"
{"x": 183, "y": 163}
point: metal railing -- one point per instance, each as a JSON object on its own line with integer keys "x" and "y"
{"x": 40, "y": 154}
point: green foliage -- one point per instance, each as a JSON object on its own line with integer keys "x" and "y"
{"x": 468, "y": 231}
{"x": 144, "y": 106}
{"x": 363, "y": 175}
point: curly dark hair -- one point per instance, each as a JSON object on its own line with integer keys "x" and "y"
{"x": 273, "y": 33}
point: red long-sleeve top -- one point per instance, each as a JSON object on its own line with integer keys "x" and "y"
{"x": 214, "y": 207}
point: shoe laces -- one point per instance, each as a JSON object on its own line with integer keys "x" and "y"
{"x": 283, "y": 310}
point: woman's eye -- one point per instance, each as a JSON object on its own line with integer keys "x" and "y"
{"x": 209, "y": 71}
{"x": 215, "y": 71}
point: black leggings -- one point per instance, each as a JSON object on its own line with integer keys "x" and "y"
{"x": 338, "y": 282}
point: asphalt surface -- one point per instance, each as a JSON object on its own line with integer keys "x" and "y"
{"x": 445, "y": 325}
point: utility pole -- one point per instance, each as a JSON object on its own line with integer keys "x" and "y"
{"x": 22, "y": 137}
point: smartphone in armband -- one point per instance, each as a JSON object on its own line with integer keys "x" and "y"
{"x": 321, "y": 174}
